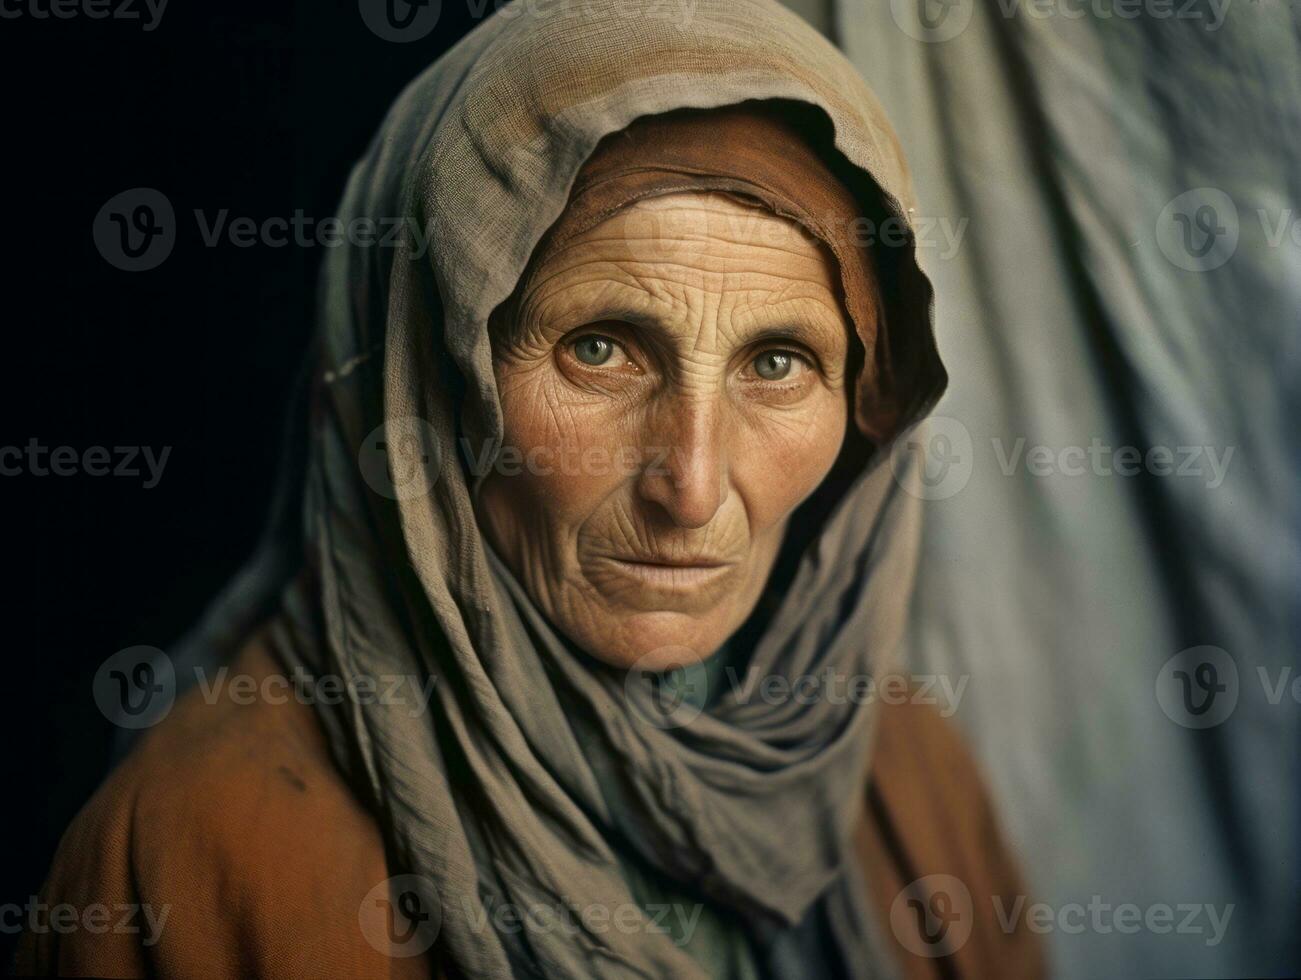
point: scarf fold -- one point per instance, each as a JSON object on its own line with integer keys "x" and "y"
{"x": 531, "y": 763}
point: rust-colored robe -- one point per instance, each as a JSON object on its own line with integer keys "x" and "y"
{"x": 232, "y": 820}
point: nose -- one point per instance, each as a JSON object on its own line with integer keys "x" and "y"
{"x": 686, "y": 473}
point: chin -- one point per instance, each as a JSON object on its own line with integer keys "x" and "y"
{"x": 659, "y": 641}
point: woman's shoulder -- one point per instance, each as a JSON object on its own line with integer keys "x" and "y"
{"x": 237, "y": 753}
{"x": 228, "y": 844}
{"x": 227, "y": 830}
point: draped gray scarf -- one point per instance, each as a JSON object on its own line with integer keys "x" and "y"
{"x": 530, "y": 761}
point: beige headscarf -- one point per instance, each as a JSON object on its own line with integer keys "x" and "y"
{"x": 530, "y": 763}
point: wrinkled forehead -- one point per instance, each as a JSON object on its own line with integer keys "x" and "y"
{"x": 696, "y": 235}
{"x": 701, "y": 271}
{"x": 733, "y": 190}
{"x": 686, "y": 215}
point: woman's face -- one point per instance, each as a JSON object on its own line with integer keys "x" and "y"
{"x": 673, "y": 386}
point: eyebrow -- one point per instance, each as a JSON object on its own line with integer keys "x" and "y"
{"x": 823, "y": 332}
{"x": 812, "y": 332}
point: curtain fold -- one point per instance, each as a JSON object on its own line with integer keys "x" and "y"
{"x": 1115, "y": 239}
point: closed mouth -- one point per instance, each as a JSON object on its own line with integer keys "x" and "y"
{"x": 671, "y": 562}
{"x": 671, "y": 572}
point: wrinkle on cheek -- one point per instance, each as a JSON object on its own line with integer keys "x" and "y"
{"x": 542, "y": 408}
{"x": 785, "y": 456}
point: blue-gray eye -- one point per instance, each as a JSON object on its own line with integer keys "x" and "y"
{"x": 773, "y": 365}
{"x": 594, "y": 349}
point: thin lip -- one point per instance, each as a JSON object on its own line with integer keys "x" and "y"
{"x": 651, "y": 562}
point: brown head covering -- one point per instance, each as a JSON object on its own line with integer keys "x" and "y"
{"x": 760, "y": 151}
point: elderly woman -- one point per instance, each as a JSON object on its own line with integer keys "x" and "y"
{"x": 595, "y": 524}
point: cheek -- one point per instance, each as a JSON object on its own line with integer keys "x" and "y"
{"x": 563, "y": 455}
{"x": 781, "y": 458}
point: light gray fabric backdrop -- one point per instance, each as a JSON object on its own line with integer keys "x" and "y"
{"x": 1116, "y": 246}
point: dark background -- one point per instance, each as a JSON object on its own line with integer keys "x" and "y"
{"x": 259, "y": 108}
